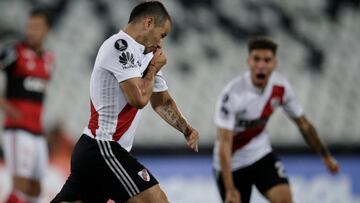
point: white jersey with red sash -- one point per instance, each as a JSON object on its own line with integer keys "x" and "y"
{"x": 245, "y": 110}
{"x": 112, "y": 118}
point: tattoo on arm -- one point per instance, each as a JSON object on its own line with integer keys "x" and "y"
{"x": 312, "y": 139}
{"x": 170, "y": 113}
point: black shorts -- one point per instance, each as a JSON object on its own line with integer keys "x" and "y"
{"x": 103, "y": 170}
{"x": 264, "y": 174}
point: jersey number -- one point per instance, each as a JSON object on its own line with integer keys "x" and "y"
{"x": 280, "y": 169}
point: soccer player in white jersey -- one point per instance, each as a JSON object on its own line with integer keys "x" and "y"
{"x": 125, "y": 78}
{"x": 242, "y": 154}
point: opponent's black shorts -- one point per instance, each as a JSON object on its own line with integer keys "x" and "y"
{"x": 103, "y": 170}
{"x": 264, "y": 174}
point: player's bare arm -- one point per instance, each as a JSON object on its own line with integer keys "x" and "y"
{"x": 232, "y": 195}
{"x": 9, "y": 109}
{"x": 312, "y": 138}
{"x": 138, "y": 90}
{"x": 166, "y": 107}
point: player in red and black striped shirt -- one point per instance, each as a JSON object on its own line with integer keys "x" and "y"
{"x": 27, "y": 66}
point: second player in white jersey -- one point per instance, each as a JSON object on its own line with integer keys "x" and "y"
{"x": 243, "y": 156}
{"x": 245, "y": 110}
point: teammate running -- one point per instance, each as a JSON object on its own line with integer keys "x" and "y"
{"x": 242, "y": 154}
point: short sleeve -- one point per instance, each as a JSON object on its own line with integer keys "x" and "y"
{"x": 8, "y": 57}
{"x": 122, "y": 64}
{"x": 225, "y": 111}
{"x": 160, "y": 83}
{"x": 291, "y": 105}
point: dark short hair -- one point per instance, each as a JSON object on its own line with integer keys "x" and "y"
{"x": 150, "y": 8}
{"x": 43, "y": 12}
{"x": 262, "y": 43}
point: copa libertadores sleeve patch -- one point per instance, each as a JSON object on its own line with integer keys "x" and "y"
{"x": 121, "y": 45}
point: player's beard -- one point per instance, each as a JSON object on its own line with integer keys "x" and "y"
{"x": 144, "y": 40}
{"x": 150, "y": 49}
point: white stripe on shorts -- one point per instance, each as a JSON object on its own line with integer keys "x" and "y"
{"x": 117, "y": 168}
{"x": 130, "y": 191}
{"x": 121, "y": 167}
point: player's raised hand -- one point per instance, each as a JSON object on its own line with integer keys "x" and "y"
{"x": 159, "y": 59}
{"x": 13, "y": 113}
{"x": 331, "y": 164}
{"x": 192, "y": 138}
{"x": 9, "y": 110}
{"x": 232, "y": 196}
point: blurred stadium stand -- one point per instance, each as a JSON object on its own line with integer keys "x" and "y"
{"x": 206, "y": 48}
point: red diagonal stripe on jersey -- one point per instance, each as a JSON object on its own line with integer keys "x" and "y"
{"x": 244, "y": 137}
{"x": 125, "y": 118}
{"x": 94, "y": 119}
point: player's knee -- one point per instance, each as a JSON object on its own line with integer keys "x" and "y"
{"x": 283, "y": 200}
{"x": 280, "y": 194}
{"x": 159, "y": 197}
{"x": 286, "y": 201}
{"x": 152, "y": 195}
{"x": 162, "y": 197}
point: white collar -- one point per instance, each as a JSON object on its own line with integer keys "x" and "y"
{"x": 137, "y": 44}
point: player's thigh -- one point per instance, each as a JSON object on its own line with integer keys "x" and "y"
{"x": 279, "y": 194}
{"x": 127, "y": 176}
{"x": 77, "y": 189}
{"x": 102, "y": 170}
{"x": 72, "y": 191}
{"x": 42, "y": 158}
{"x": 152, "y": 195}
{"x": 21, "y": 153}
{"x": 219, "y": 183}
{"x": 242, "y": 181}
{"x": 271, "y": 179}
{"x": 88, "y": 179}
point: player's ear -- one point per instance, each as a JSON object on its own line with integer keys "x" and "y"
{"x": 148, "y": 22}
